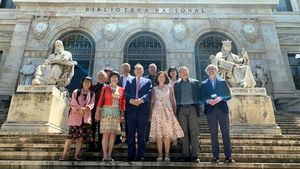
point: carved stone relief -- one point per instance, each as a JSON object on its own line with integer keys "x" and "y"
{"x": 111, "y": 29}
{"x": 40, "y": 27}
{"x": 250, "y": 30}
{"x": 179, "y": 30}
{"x": 146, "y": 22}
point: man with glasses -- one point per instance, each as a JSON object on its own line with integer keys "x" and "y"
{"x": 215, "y": 93}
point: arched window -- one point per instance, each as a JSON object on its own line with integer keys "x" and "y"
{"x": 7, "y": 4}
{"x": 295, "y": 69}
{"x": 207, "y": 45}
{"x": 82, "y": 48}
{"x": 284, "y": 5}
{"x": 145, "y": 48}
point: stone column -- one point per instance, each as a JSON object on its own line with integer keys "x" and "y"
{"x": 9, "y": 76}
{"x": 281, "y": 84}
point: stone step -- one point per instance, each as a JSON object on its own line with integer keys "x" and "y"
{"x": 46, "y": 136}
{"x": 205, "y": 157}
{"x": 9, "y": 164}
{"x": 152, "y": 148}
{"x": 294, "y": 139}
{"x": 207, "y": 141}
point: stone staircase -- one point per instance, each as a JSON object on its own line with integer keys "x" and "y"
{"x": 30, "y": 151}
{"x": 289, "y": 123}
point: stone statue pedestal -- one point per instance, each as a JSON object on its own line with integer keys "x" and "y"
{"x": 251, "y": 112}
{"x": 37, "y": 109}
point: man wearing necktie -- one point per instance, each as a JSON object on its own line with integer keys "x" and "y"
{"x": 137, "y": 91}
{"x": 214, "y": 93}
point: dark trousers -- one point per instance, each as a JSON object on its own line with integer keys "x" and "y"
{"x": 94, "y": 127}
{"x": 136, "y": 121}
{"x": 126, "y": 128}
{"x": 188, "y": 120}
{"x": 214, "y": 118}
{"x": 147, "y": 131}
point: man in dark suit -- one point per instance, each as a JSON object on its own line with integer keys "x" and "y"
{"x": 125, "y": 76}
{"x": 214, "y": 93}
{"x": 137, "y": 92}
{"x": 186, "y": 92}
{"x": 101, "y": 77}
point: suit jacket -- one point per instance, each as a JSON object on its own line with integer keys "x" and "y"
{"x": 151, "y": 78}
{"x": 97, "y": 90}
{"x": 221, "y": 89}
{"x": 143, "y": 93}
{"x": 120, "y": 83}
{"x": 195, "y": 90}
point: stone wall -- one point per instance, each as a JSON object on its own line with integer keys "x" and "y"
{"x": 110, "y": 25}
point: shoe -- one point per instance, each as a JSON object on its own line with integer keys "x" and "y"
{"x": 104, "y": 160}
{"x": 140, "y": 159}
{"x": 167, "y": 159}
{"x": 111, "y": 159}
{"x": 229, "y": 160}
{"x": 77, "y": 158}
{"x": 195, "y": 160}
{"x": 62, "y": 158}
{"x": 159, "y": 159}
{"x": 215, "y": 160}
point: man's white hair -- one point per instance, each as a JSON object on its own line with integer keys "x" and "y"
{"x": 153, "y": 64}
{"x": 126, "y": 64}
{"x": 209, "y": 66}
{"x": 183, "y": 67}
{"x": 101, "y": 72}
{"x": 139, "y": 65}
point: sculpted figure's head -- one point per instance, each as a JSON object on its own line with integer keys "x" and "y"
{"x": 226, "y": 45}
{"x": 59, "y": 47}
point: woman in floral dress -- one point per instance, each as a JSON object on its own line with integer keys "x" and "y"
{"x": 164, "y": 124}
{"x": 110, "y": 111}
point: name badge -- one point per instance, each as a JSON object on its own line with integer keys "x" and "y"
{"x": 213, "y": 96}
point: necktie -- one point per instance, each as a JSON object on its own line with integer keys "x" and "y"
{"x": 137, "y": 87}
{"x": 214, "y": 84}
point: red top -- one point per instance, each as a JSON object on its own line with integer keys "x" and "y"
{"x": 106, "y": 98}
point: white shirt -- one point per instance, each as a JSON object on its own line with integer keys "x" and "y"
{"x": 125, "y": 80}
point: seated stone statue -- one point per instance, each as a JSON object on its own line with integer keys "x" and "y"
{"x": 234, "y": 69}
{"x": 58, "y": 68}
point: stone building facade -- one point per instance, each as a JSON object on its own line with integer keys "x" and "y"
{"x": 102, "y": 33}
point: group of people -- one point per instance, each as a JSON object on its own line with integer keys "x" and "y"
{"x": 161, "y": 107}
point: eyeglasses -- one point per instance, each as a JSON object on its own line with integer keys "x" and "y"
{"x": 211, "y": 69}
